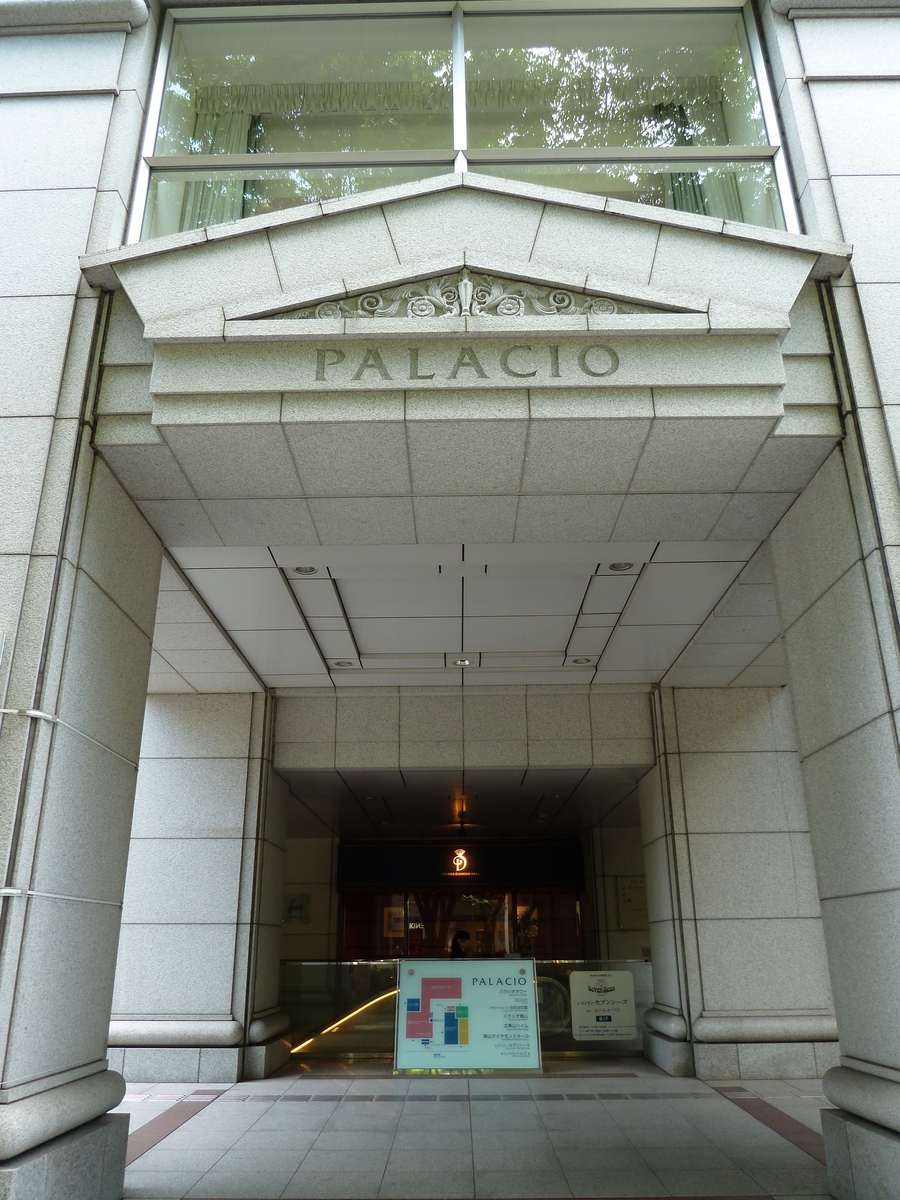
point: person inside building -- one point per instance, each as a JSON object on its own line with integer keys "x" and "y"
{"x": 459, "y": 945}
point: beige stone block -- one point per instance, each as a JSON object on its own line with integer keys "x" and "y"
{"x": 367, "y": 755}
{"x": 430, "y": 755}
{"x": 566, "y": 518}
{"x": 808, "y": 333}
{"x": 743, "y": 875}
{"x": 82, "y": 843}
{"x": 430, "y": 718}
{"x": 41, "y": 235}
{"x": 622, "y": 752}
{"x": 650, "y": 798}
{"x": 444, "y": 224}
{"x": 368, "y": 718}
{"x": 183, "y": 969}
{"x": 64, "y": 980}
{"x": 33, "y": 333}
{"x": 296, "y": 756}
{"x": 189, "y": 798}
{"x": 119, "y": 549}
{"x": 209, "y": 275}
{"x": 852, "y": 792}
{"x": 67, "y": 62}
{"x": 317, "y": 250}
{"x": 761, "y": 964}
{"x": 559, "y": 716}
{"x": 592, "y": 242}
{"x": 201, "y": 881}
{"x": 125, "y": 345}
{"x": 125, "y": 389}
{"x": 716, "y": 719}
{"x": 734, "y": 792}
{"x": 24, "y": 446}
{"x": 105, "y": 673}
{"x": 559, "y": 752}
{"x": 863, "y": 977}
{"x": 306, "y": 718}
{"x": 180, "y": 522}
{"x": 491, "y": 754}
{"x": 838, "y": 692}
{"x": 620, "y": 715}
{"x": 668, "y": 517}
{"x": 494, "y": 718}
{"x": 214, "y": 727}
{"x": 53, "y": 141}
{"x": 664, "y": 955}
{"x": 733, "y": 270}
{"x": 442, "y": 520}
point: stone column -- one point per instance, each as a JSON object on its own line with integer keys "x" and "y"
{"x": 78, "y": 579}
{"x": 196, "y": 994}
{"x": 841, "y": 641}
{"x": 739, "y": 963}
{"x": 71, "y": 727}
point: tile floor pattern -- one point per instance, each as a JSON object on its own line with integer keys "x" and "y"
{"x": 630, "y": 1131}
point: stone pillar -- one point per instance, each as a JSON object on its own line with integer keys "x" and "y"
{"x": 78, "y": 578}
{"x": 740, "y": 975}
{"x": 196, "y": 995}
{"x": 71, "y": 730}
{"x": 841, "y": 641}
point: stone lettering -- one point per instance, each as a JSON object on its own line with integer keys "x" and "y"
{"x": 554, "y": 362}
{"x": 322, "y": 361}
{"x": 372, "y": 361}
{"x": 468, "y": 358}
{"x": 595, "y": 350}
{"x": 414, "y": 365}
{"x": 508, "y": 370}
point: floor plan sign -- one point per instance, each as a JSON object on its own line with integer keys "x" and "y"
{"x": 602, "y": 1006}
{"x": 466, "y": 1015}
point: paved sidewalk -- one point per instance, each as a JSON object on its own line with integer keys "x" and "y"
{"x": 618, "y": 1129}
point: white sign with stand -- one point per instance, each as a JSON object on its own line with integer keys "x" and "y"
{"x": 602, "y": 1006}
{"x": 461, "y": 1014}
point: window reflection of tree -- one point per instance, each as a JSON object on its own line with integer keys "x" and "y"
{"x": 540, "y": 98}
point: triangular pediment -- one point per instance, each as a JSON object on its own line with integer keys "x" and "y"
{"x": 411, "y": 243}
{"x": 466, "y": 293}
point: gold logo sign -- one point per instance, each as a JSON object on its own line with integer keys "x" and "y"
{"x": 460, "y": 862}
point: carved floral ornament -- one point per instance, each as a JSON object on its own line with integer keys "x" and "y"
{"x": 465, "y": 295}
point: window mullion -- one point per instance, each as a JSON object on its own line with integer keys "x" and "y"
{"x": 458, "y": 53}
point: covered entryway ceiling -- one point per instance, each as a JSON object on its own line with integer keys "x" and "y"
{"x": 563, "y": 488}
{"x": 537, "y": 803}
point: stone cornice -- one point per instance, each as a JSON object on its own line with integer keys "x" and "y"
{"x": 831, "y": 258}
{"x": 828, "y": 8}
{"x": 75, "y": 15}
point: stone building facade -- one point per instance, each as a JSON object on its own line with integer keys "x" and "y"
{"x": 686, "y": 420}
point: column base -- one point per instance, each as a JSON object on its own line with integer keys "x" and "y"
{"x": 87, "y": 1163}
{"x": 740, "y": 1060}
{"x": 673, "y": 1057}
{"x": 266, "y": 1058}
{"x": 863, "y": 1159}
{"x": 178, "y": 1064}
{"x": 764, "y": 1060}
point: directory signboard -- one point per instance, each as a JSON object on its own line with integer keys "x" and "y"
{"x": 464, "y": 1015}
{"x": 602, "y": 1006}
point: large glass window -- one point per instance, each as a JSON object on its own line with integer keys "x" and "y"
{"x": 260, "y": 113}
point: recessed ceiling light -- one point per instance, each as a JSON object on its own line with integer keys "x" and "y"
{"x": 344, "y": 662}
{"x": 462, "y": 662}
{"x": 620, "y": 566}
{"x": 305, "y": 570}
{"x": 581, "y": 661}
